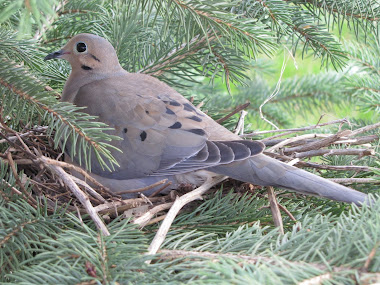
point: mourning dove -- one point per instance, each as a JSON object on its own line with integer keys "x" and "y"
{"x": 164, "y": 136}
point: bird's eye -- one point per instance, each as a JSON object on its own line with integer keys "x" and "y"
{"x": 81, "y": 47}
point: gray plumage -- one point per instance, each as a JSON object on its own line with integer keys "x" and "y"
{"x": 164, "y": 135}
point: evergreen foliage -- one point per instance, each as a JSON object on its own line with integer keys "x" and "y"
{"x": 229, "y": 238}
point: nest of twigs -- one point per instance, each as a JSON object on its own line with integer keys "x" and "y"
{"x": 45, "y": 174}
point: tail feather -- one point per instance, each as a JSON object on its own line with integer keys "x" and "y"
{"x": 265, "y": 171}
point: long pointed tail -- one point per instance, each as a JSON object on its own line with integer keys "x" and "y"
{"x": 266, "y": 171}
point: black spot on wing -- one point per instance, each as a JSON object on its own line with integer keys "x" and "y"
{"x": 94, "y": 57}
{"x": 189, "y": 107}
{"x": 174, "y": 103}
{"x": 171, "y": 102}
{"x": 176, "y": 125}
{"x": 195, "y": 118}
{"x": 143, "y": 135}
{"x": 125, "y": 130}
{"x": 85, "y": 67}
{"x": 199, "y": 132}
{"x": 168, "y": 111}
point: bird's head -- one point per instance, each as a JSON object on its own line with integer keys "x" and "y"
{"x": 88, "y": 53}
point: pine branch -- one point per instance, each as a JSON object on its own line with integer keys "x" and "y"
{"x": 58, "y": 115}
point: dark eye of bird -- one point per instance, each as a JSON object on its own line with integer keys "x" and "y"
{"x": 81, "y": 47}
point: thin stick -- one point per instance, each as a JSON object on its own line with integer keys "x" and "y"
{"x": 18, "y": 180}
{"x": 72, "y": 167}
{"x": 290, "y": 140}
{"x": 363, "y": 140}
{"x": 240, "y": 124}
{"x": 323, "y": 166}
{"x": 320, "y": 143}
{"x": 178, "y": 204}
{"x": 287, "y": 212}
{"x": 81, "y": 196}
{"x": 127, "y": 204}
{"x": 272, "y": 137}
{"x": 160, "y": 189}
{"x": 365, "y": 129}
{"x": 156, "y": 220}
{"x": 275, "y": 209}
{"x": 13, "y": 138}
{"x": 355, "y": 180}
{"x": 143, "y": 188}
{"x": 16, "y": 191}
{"x": 235, "y": 111}
{"x": 144, "y": 219}
{"x": 89, "y": 189}
{"x": 318, "y": 152}
{"x": 297, "y": 129}
{"x": 371, "y": 256}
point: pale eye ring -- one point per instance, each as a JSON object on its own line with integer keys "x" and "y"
{"x": 81, "y": 47}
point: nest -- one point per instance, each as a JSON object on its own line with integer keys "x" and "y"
{"x": 44, "y": 173}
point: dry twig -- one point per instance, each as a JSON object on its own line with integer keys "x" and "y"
{"x": 275, "y": 209}
{"x": 317, "y": 126}
{"x": 178, "y": 204}
{"x": 233, "y": 112}
{"x": 163, "y": 181}
{"x": 81, "y": 196}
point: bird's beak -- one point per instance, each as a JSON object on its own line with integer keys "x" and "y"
{"x": 56, "y": 54}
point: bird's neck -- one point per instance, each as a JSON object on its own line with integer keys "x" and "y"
{"x": 77, "y": 80}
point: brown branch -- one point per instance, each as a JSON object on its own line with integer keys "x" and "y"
{"x": 163, "y": 181}
{"x": 371, "y": 256}
{"x": 70, "y": 166}
{"x": 319, "y": 143}
{"x": 287, "y": 212}
{"x": 322, "y": 166}
{"x": 277, "y": 219}
{"x": 56, "y": 94}
{"x": 123, "y": 205}
{"x": 156, "y": 220}
{"x": 81, "y": 196}
{"x": 353, "y": 141}
{"x": 292, "y": 140}
{"x": 364, "y": 129}
{"x": 233, "y": 112}
{"x": 355, "y": 180}
{"x": 334, "y": 167}
{"x": 317, "y": 126}
{"x": 17, "y": 229}
{"x": 18, "y": 181}
{"x": 13, "y": 138}
{"x": 325, "y": 152}
{"x": 155, "y": 193}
